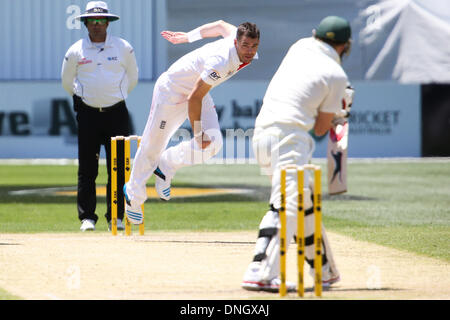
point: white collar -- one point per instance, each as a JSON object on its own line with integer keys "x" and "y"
{"x": 108, "y": 42}
{"x": 328, "y": 50}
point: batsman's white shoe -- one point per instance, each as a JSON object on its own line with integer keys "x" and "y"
{"x": 162, "y": 185}
{"x": 269, "y": 286}
{"x": 252, "y": 276}
{"x": 134, "y": 214}
{"x": 87, "y": 225}
{"x": 253, "y": 282}
{"x": 328, "y": 277}
{"x": 328, "y": 282}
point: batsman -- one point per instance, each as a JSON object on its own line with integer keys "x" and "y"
{"x": 304, "y": 97}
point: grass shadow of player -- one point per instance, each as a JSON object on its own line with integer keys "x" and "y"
{"x": 347, "y": 197}
{"x": 339, "y": 289}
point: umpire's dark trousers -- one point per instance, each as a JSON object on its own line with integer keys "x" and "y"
{"x": 95, "y": 128}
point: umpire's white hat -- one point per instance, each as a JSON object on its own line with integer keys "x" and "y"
{"x": 97, "y": 9}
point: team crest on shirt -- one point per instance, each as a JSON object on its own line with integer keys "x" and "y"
{"x": 214, "y": 75}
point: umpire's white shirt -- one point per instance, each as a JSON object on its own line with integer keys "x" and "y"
{"x": 310, "y": 79}
{"x": 214, "y": 63}
{"x": 103, "y": 76}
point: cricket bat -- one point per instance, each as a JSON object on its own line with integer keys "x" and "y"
{"x": 337, "y": 158}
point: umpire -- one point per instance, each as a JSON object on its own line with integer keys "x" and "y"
{"x": 99, "y": 72}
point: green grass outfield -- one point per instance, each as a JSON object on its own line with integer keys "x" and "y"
{"x": 400, "y": 204}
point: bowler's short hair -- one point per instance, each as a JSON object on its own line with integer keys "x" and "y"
{"x": 247, "y": 29}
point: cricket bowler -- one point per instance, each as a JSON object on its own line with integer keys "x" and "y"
{"x": 180, "y": 93}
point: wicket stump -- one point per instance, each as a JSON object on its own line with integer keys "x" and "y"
{"x": 120, "y": 174}
{"x": 301, "y": 229}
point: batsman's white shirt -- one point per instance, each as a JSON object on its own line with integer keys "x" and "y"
{"x": 310, "y": 79}
{"x": 103, "y": 76}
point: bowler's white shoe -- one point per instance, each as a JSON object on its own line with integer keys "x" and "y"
{"x": 162, "y": 184}
{"x": 134, "y": 214}
{"x": 87, "y": 225}
{"x": 120, "y": 225}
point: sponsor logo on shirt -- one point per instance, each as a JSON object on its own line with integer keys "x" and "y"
{"x": 84, "y": 61}
{"x": 113, "y": 59}
{"x": 214, "y": 76}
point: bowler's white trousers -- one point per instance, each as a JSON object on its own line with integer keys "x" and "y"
{"x": 168, "y": 112}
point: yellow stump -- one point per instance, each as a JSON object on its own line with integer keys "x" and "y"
{"x": 114, "y": 181}
{"x": 141, "y": 226}
{"x": 114, "y": 186}
{"x": 127, "y": 169}
{"x": 301, "y": 229}
{"x": 318, "y": 232}
{"x": 300, "y": 234}
{"x": 283, "y": 245}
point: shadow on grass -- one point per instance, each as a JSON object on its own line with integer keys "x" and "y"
{"x": 200, "y": 242}
{"x": 348, "y": 197}
{"x": 337, "y": 289}
{"x": 45, "y": 194}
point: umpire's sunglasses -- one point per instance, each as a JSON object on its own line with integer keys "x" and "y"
{"x": 97, "y": 21}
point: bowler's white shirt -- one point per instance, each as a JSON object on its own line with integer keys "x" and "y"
{"x": 214, "y": 62}
{"x": 310, "y": 79}
{"x": 101, "y": 77}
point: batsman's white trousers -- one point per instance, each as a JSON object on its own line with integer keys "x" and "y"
{"x": 275, "y": 147}
{"x": 164, "y": 120}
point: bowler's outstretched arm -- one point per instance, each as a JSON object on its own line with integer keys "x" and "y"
{"x": 209, "y": 30}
